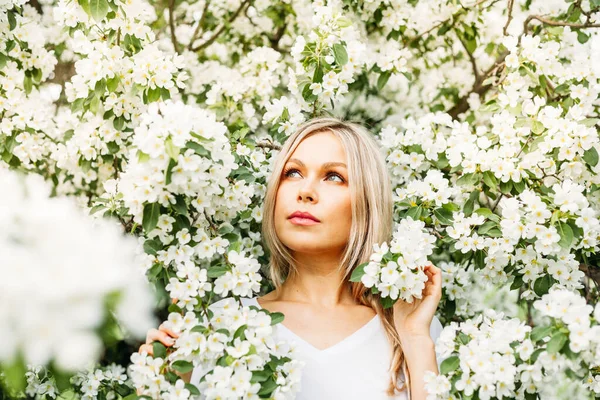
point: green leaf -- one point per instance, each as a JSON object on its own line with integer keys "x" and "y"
{"x": 383, "y": 78}
{"x": 153, "y": 94}
{"x": 542, "y": 285}
{"x": 239, "y": 332}
{"x": 307, "y": 94}
{"x": 566, "y": 235}
{"x": 3, "y": 59}
{"x": 180, "y": 207}
{"x": 505, "y": 187}
{"x": 343, "y": 22}
{"x": 98, "y": 9}
{"x": 449, "y": 364}
{"x": 171, "y": 149}
{"x": 27, "y": 84}
{"x": 387, "y": 302}
{"x": 193, "y": 389}
{"x": 198, "y": 148}
{"x": 582, "y": 37}
{"x": 444, "y": 215}
{"x": 217, "y": 270}
{"x": 414, "y": 212}
{"x": 358, "y": 272}
{"x": 85, "y": 4}
{"x": 540, "y": 332}
{"x": 339, "y": 52}
{"x": 154, "y": 271}
{"x": 94, "y": 104}
{"x": 113, "y": 83}
{"x": 519, "y": 186}
{"x": 142, "y": 157}
{"x": 556, "y": 343}
{"x": 318, "y": 74}
{"x": 12, "y": 21}
{"x": 490, "y": 179}
{"x": 591, "y": 156}
{"x": 152, "y": 246}
{"x": 537, "y": 127}
{"x": 267, "y": 388}
{"x": 159, "y": 350}
{"x": 276, "y": 317}
{"x": 517, "y": 282}
{"x": 150, "y": 216}
{"x": 182, "y": 366}
{"x": 174, "y": 308}
{"x": 260, "y": 376}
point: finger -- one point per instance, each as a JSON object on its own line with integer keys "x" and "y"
{"x": 163, "y": 328}
{"x": 146, "y": 347}
{"x": 161, "y": 336}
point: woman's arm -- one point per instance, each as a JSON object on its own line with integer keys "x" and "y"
{"x": 419, "y": 353}
{"x": 413, "y": 322}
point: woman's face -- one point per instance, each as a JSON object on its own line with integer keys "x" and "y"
{"x": 315, "y": 180}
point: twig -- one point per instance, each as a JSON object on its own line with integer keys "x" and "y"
{"x": 268, "y": 145}
{"x": 510, "y": 8}
{"x": 478, "y": 87}
{"x": 555, "y": 23}
{"x": 222, "y": 28}
{"x": 200, "y": 25}
{"x": 172, "y": 25}
{"x": 473, "y": 62}
{"x": 456, "y": 14}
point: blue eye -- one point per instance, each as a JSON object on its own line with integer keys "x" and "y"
{"x": 289, "y": 171}
{"x": 336, "y": 174}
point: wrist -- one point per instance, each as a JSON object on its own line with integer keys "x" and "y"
{"x": 416, "y": 340}
{"x": 415, "y": 347}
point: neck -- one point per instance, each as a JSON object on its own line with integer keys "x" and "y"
{"x": 317, "y": 282}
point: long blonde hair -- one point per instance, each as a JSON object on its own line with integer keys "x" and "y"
{"x": 372, "y": 219}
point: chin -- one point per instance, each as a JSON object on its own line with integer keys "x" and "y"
{"x": 311, "y": 246}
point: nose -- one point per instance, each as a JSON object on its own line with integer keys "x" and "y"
{"x": 307, "y": 192}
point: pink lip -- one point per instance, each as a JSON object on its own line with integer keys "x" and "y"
{"x": 302, "y": 218}
{"x": 302, "y": 221}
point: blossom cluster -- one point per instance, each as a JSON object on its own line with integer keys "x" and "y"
{"x": 109, "y": 382}
{"x": 233, "y": 352}
{"x": 327, "y": 60}
{"x": 395, "y": 270}
{"x": 497, "y": 357}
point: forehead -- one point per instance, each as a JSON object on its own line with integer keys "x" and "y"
{"x": 319, "y": 148}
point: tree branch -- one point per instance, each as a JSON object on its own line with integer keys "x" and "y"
{"x": 172, "y": 25}
{"x": 463, "y": 105}
{"x": 555, "y": 23}
{"x": 268, "y": 145}
{"x": 222, "y": 28}
{"x": 510, "y": 8}
{"x": 473, "y": 62}
{"x": 200, "y": 25}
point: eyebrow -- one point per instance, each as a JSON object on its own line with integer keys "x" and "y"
{"x": 325, "y": 165}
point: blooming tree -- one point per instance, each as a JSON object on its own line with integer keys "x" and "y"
{"x": 165, "y": 118}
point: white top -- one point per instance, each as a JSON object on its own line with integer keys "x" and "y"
{"x": 356, "y": 368}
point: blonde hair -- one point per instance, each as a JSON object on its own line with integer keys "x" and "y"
{"x": 372, "y": 219}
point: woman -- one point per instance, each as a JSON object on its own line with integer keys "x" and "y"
{"x": 328, "y": 200}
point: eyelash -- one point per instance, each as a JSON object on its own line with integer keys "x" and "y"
{"x": 287, "y": 172}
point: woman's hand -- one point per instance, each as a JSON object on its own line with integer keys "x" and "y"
{"x": 414, "y": 319}
{"x": 162, "y": 334}
{"x": 166, "y": 337}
